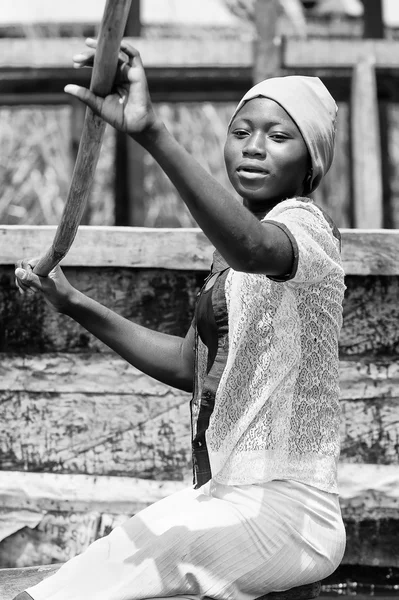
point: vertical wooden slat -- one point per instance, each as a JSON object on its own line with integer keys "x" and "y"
{"x": 366, "y": 148}
{"x": 373, "y": 19}
{"x": 129, "y": 171}
{"x": 267, "y": 45}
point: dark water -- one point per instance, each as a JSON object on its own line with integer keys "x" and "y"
{"x": 357, "y": 582}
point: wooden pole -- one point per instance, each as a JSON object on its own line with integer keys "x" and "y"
{"x": 111, "y": 31}
{"x": 366, "y": 149}
{"x": 129, "y": 157}
{"x": 267, "y": 61}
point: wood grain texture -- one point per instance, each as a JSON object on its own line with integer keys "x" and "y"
{"x": 107, "y": 373}
{"x": 183, "y": 248}
{"x": 144, "y": 435}
{"x": 94, "y": 413}
{"x": 13, "y": 581}
{"x": 342, "y": 53}
{"x": 366, "y": 150}
{"x": 364, "y": 252}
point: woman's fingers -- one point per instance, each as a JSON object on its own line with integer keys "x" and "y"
{"x": 91, "y": 100}
{"x": 130, "y": 50}
{"x": 26, "y": 280}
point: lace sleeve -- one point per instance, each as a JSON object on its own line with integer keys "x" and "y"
{"x": 316, "y": 250}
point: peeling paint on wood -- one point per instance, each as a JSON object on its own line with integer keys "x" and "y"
{"x": 94, "y": 413}
{"x": 104, "y": 434}
{"x": 371, "y": 317}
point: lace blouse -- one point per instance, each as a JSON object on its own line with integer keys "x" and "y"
{"x": 266, "y": 396}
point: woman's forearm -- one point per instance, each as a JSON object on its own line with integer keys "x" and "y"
{"x": 159, "y": 355}
{"x": 243, "y": 241}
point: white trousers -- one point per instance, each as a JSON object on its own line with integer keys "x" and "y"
{"x": 224, "y": 542}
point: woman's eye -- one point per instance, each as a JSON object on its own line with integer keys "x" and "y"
{"x": 278, "y": 137}
{"x": 240, "y": 133}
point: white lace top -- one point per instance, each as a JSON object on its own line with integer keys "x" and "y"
{"x": 277, "y": 411}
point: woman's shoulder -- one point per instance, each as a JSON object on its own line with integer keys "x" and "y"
{"x": 308, "y": 210}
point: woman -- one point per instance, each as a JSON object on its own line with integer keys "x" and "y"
{"x": 261, "y": 359}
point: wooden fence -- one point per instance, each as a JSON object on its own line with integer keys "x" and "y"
{"x": 363, "y": 73}
{"x": 86, "y": 440}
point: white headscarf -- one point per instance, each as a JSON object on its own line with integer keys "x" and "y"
{"x": 312, "y": 108}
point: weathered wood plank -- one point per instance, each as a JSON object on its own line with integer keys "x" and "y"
{"x": 145, "y": 435}
{"x": 165, "y": 300}
{"x": 156, "y": 53}
{"x": 371, "y": 316}
{"x": 366, "y": 252}
{"x": 339, "y": 53}
{"x": 366, "y": 148}
{"x": 157, "y": 298}
{"x": 96, "y": 414}
{"x": 109, "y": 374}
{"x": 139, "y": 247}
{"x": 14, "y": 581}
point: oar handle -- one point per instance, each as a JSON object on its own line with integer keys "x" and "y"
{"x": 105, "y": 63}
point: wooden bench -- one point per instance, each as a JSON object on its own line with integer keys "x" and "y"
{"x": 14, "y": 581}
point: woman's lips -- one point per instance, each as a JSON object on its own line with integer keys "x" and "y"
{"x": 249, "y": 173}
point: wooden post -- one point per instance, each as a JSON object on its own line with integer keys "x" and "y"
{"x": 373, "y": 19}
{"x": 366, "y": 149}
{"x": 267, "y": 62}
{"x": 129, "y": 157}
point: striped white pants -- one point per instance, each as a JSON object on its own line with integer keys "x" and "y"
{"x": 225, "y": 542}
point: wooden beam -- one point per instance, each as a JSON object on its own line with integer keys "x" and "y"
{"x": 366, "y": 147}
{"x": 159, "y": 53}
{"x": 338, "y": 53}
{"x": 38, "y": 54}
{"x": 106, "y": 373}
{"x": 267, "y": 43}
{"x": 366, "y": 252}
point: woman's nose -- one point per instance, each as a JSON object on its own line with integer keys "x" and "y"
{"x": 255, "y": 145}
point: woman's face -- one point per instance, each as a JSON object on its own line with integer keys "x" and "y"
{"x": 266, "y": 157}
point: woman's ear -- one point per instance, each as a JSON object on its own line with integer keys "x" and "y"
{"x": 307, "y": 182}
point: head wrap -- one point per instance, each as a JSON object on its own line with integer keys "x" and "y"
{"x": 312, "y": 108}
